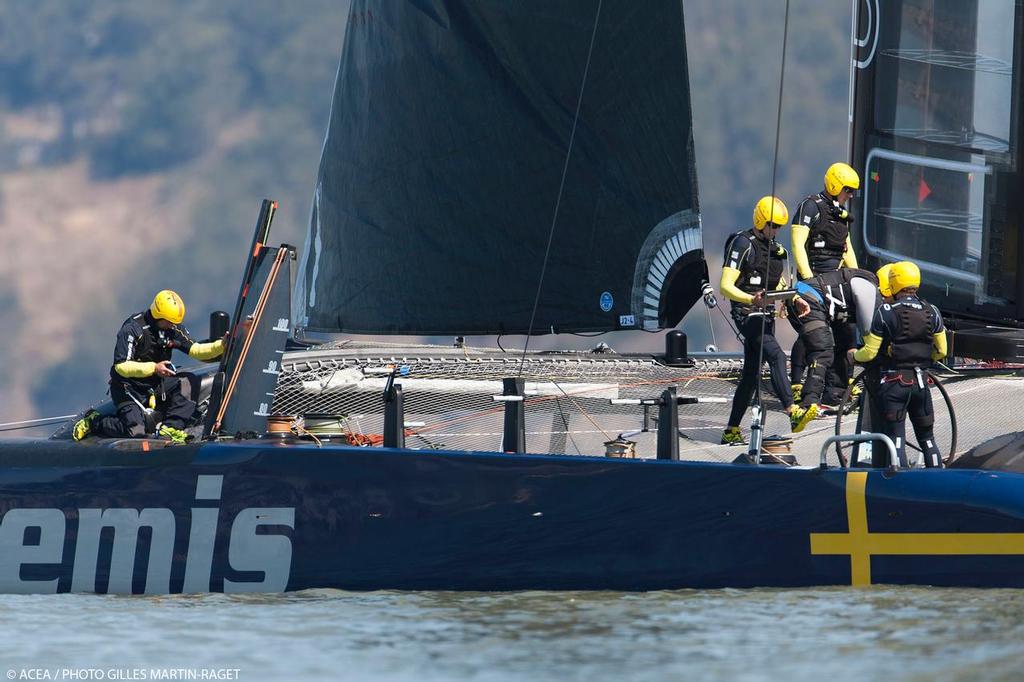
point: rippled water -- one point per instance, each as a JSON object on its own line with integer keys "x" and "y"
{"x": 891, "y": 633}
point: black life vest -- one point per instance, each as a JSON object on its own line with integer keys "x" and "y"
{"x": 826, "y": 243}
{"x": 761, "y": 258}
{"x": 911, "y": 322}
{"x": 154, "y": 344}
{"x": 144, "y": 341}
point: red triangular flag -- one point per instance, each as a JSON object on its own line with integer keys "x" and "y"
{"x": 923, "y": 190}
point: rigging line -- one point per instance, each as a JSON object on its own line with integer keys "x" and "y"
{"x": 301, "y": 431}
{"x": 775, "y": 167}
{"x": 565, "y": 425}
{"x": 28, "y": 422}
{"x": 582, "y": 411}
{"x": 590, "y": 335}
{"x": 561, "y": 188}
{"x": 732, "y": 327}
{"x": 35, "y": 423}
{"x": 711, "y": 327}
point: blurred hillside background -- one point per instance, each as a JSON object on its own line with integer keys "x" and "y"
{"x": 137, "y": 139}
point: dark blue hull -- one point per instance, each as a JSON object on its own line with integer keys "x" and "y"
{"x": 255, "y": 516}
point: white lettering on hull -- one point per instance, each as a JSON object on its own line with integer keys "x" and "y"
{"x": 14, "y": 553}
{"x": 248, "y": 550}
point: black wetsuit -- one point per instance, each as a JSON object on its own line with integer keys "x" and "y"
{"x": 907, "y": 328}
{"x": 141, "y": 340}
{"x": 754, "y": 257}
{"x": 829, "y": 227}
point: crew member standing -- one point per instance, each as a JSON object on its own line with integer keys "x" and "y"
{"x": 821, "y": 243}
{"x": 910, "y": 334}
{"x": 868, "y": 418}
{"x": 142, "y": 377}
{"x": 754, "y": 264}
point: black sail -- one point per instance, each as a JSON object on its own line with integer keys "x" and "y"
{"x": 464, "y": 135}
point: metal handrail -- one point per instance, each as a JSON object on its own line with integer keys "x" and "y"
{"x": 860, "y": 438}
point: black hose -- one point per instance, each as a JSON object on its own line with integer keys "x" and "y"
{"x": 860, "y": 380}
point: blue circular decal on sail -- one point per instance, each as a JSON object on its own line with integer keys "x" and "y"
{"x": 607, "y": 301}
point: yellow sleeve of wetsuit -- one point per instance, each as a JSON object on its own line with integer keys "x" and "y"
{"x": 132, "y": 369}
{"x": 869, "y": 350}
{"x": 207, "y": 351}
{"x": 799, "y": 235}
{"x": 849, "y": 257}
{"x": 727, "y": 285}
{"x": 939, "y": 345}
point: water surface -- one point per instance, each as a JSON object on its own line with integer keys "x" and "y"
{"x": 806, "y": 634}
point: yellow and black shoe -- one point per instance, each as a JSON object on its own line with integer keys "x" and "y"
{"x": 83, "y": 427}
{"x": 733, "y": 436}
{"x": 855, "y": 391}
{"x": 798, "y": 392}
{"x": 172, "y": 434}
{"x": 800, "y": 417}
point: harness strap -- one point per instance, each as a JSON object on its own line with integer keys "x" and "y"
{"x": 833, "y": 301}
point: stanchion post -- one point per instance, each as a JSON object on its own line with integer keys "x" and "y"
{"x": 668, "y": 425}
{"x": 394, "y": 417}
{"x": 514, "y": 435}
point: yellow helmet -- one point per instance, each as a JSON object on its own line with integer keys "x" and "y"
{"x": 883, "y": 280}
{"x": 904, "y": 275}
{"x": 838, "y": 176}
{"x": 770, "y": 210}
{"x": 167, "y": 305}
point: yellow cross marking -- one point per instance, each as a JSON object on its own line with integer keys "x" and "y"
{"x": 860, "y": 544}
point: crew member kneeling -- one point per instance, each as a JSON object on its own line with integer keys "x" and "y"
{"x": 142, "y": 377}
{"x": 911, "y": 334}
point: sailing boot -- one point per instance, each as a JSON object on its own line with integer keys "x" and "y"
{"x": 173, "y": 434}
{"x": 733, "y": 436}
{"x": 83, "y": 427}
{"x": 855, "y": 392}
{"x": 801, "y": 416}
{"x": 798, "y": 390}
{"x": 853, "y": 403}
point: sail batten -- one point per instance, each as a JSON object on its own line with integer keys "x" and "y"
{"x": 440, "y": 174}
